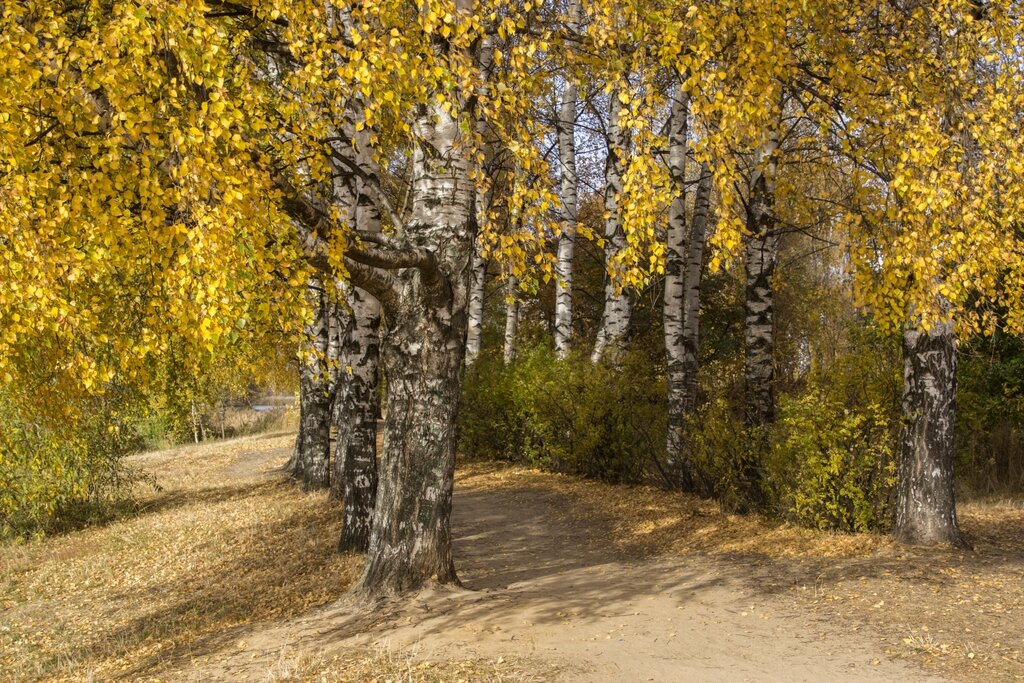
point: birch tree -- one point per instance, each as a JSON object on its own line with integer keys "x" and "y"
{"x": 618, "y": 303}
{"x": 568, "y": 195}
{"x": 356, "y": 409}
{"x": 310, "y": 460}
{"x": 937, "y": 189}
{"x": 761, "y": 248}
{"x": 477, "y": 296}
{"x": 684, "y": 260}
{"x": 511, "y": 320}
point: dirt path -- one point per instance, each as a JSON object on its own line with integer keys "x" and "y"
{"x": 550, "y": 591}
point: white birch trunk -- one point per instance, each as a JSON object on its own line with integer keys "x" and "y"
{"x": 684, "y": 260}
{"x": 511, "y": 319}
{"x": 422, "y": 355}
{"x": 568, "y": 193}
{"x": 618, "y": 303}
{"x": 312, "y": 443}
{"x": 926, "y": 504}
{"x": 760, "y": 256}
{"x": 761, "y": 252}
{"x": 691, "y": 288}
{"x": 354, "y": 478}
{"x": 478, "y": 282}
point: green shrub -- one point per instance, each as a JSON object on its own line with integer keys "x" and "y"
{"x": 156, "y": 430}
{"x": 62, "y": 474}
{"x": 830, "y": 466}
{"x": 828, "y": 462}
{"x": 990, "y": 417}
{"x": 567, "y": 416}
{"x": 822, "y": 464}
{"x": 719, "y": 452}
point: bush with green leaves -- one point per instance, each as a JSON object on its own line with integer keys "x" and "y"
{"x": 568, "y": 415}
{"x": 990, "y": 416}
{"x": 829, "y": 459}
{"x": 831, "y": 466}
{"x": 59, "y": 474}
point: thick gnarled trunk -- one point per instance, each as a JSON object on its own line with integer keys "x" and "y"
{"x": 354, "y": 476}
{"x": 423, "y": 351}
{"x": 618, "y": 301}
{"x": 926, "y": 505}
{"x": 568, "y": 194}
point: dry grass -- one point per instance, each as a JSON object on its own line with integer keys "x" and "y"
{"x": 961, "y": 613}
{"x": 387, "y": 666}
{"x": 643, "y": 521}
{"x": 216, "y": 548}
{"x": 223, "y": 545}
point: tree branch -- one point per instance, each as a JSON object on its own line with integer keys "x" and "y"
{"x": 371, "y": 180}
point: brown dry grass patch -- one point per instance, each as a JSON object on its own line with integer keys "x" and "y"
{"x": 644, "y": 521}
{"x": 219, "y": 546}
{"x": 387, "y": 666}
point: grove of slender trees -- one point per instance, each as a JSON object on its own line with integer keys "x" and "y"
{"x": 351, "y": 176}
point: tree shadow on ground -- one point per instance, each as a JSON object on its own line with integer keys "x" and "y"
{"x": 267, "y": 570}
{"x": 515, "y": 544}
{"x": 511, "y": 544}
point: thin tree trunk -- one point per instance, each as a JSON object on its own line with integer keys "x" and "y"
{"x": 481, "y": 213}
{"x": 568, "y": 193}
{"x": 761, "y": 253}
{"x": 313, "y": 442}
{"x": 683, "y": 266}
{"x": 422, "y": 355}
{"x": 476, "y": 307}
{"x": 926, "y": 505}
{"x": 511, "y": 319}
{"x": 618, "y": 302}
{"x": 691, "y": 289}
{"x": 195, "y": 422}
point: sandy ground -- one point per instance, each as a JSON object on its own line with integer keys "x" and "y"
{"x": 227, "y": 572}
{"x": 549, "y": 591}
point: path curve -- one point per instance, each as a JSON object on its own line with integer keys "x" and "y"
{"x": 543, "y": 588}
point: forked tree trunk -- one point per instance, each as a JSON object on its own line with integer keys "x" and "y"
{"x": 422, "y": 355}
{"x": 313, "y": 442}
{"x": 684, "y": 261}
{"x": 618, "y": 301}
{"x": 568, "y": 193}
{"x": 926, "y": 505}
{"x": 511, "y": 319}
